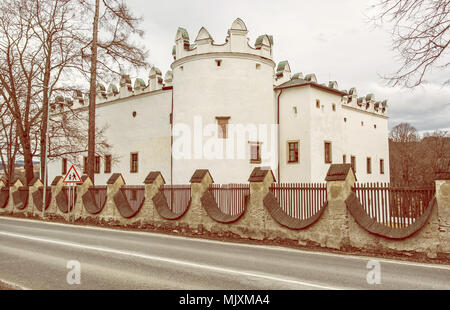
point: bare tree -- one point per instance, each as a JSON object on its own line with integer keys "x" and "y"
{"x": 112, "y": 51}
{"x": 9, "y": 145}
{"x": 420, "y": 34}
{"x": 403, "y": 140}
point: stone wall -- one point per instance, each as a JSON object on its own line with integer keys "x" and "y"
{"x": 336, "y": 227}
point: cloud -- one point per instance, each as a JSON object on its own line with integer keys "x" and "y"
{"x": 330, "y": 38}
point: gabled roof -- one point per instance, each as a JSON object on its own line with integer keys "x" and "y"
{"x": 338, "y": 172}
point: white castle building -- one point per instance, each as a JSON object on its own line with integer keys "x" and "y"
{"x": 229, "y": 108}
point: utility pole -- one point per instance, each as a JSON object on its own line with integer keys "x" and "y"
{"x": 44, "y": 194}
{"x": 92, "y": 96}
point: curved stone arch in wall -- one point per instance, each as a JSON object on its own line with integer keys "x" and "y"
{"x": 162, "y": 207}
{"x": 123, "y": 204}
{"x": 92, "y": 204}
{"x": 372, "y": 226}
{"x": 20, "y": 197}
{"x": 62, "y": 200}
{"x": 209, "y": 203}
{"x": 4, "y": 197}
{"x": 38, "y": 198}
{"x": 281, "y": 217}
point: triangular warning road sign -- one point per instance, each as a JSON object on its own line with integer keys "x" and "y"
{"x": 72, "y": 176}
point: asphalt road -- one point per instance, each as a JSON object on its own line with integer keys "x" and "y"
{"x": 35, "y": 255}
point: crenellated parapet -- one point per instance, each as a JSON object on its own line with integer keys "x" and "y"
{"x": 236, "y": 41}
{"x": 364, "y": 103}
{"x": 126, "y": 89}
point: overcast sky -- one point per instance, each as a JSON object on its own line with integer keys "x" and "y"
{"x": 330, "y": 38}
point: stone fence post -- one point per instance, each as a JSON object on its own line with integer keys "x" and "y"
{"x": 200, "y": 181}
{"x": 56, "y": 187}
{"x": 340, "y": 181}
{"x": 34, "y": 186}
{"x": 442, "y": 184}
{"x": 14, "y": 188}
{"x": 79, "y": 209}
{"x": 113, "y": 185}
{"x": 253, "y": 223}
{"x": 152, "y": 183}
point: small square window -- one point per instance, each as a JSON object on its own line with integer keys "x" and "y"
{"x": 255, "y": 153}
{"x": 362, "y": 123}
{"x": 294, "y": 109}
{"x": 318, "y": 103}
{"x": 218, "y": 62}
{"x": 345, "y": 120}
{"x": 181, "y": 68}
{"x": 375, "y": 126}
{"x": 381, "y": 166}
{"x": 334, "y": 107}
{"x": 258, "y": 66}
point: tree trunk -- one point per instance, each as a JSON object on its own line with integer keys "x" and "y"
{"x": 92, "y": 96}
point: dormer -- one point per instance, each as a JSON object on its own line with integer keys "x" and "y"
{"x": 352, "y": 95}
{"x": 203, "y": 37}
{"x": 101, "y": 91}
{"x": 155, "y": 80}
{"x": 297, "y": 76}
{"x": 333, "y": 84}
{"x": 370, "y": 101}
{"x": 361, "y": 102}
{"x": 265, "y": 43}
{"x": 139, "y": 86}
{"x": 168, "y": 78}
{"x": 68, "y": 102}
{"x": 125, "y": 86}
{"x": 181, "y": 42}
{"x": 383, "y": 106}
{"x": 237, "y": 36}
{"x": 283, "y": 73}
{"x": 59, "y": 101}
{"x": 112, "y": 90}
{"x": 78, "y": 97}
{"x": 311, "y": 77}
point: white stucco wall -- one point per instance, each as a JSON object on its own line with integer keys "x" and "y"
{"x": 236, "y": 89}
{"x": 148, "y": 134}
{"x": 313, "y": 126}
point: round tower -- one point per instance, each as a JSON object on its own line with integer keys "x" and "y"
{"x": 222, "y": 92}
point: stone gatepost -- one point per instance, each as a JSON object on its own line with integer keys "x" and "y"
{"x": 113, "y": 185}
{"x": 56, "y": 186}
{"x": 34, "y": 186}
{"x": 200, "y": 181}
{"x": 79, "y": 210}
{"x": 152, "y": 183}
{"x": 252, "y": 223}
{"x": 442, "y": 184}
{"x": 340, "y": 181}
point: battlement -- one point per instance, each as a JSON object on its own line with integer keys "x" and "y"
{"x": 125, "y": 90}
{"x": 235, "y": 42}
{"x": 283, "y": 79}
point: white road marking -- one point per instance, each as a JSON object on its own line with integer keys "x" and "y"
{"x": 170, "y": 260}
{"x": 200, "y": 240}
{"x": 14, "y": 285}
